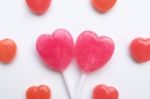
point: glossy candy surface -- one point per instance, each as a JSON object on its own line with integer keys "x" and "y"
{"x": 105, "y": 92}
{"x": 8, "y": 50}
{"x": 93, "y": 52}
{"x": 103, "y": 5}
{"x": 38, "y": 6}
{"x": 140, "y": 50}
{"x": 40, "y": 92}
{"x": 56, "y": 50}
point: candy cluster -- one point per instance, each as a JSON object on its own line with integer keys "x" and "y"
{"x": 91, "y": 52}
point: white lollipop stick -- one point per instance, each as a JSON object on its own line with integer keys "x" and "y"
{"x": 66, "y": 85}
{"x": 79, "y": 87}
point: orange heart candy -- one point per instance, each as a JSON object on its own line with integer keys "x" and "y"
{"x": 105, "y": 92}
{"x": 40, "y": 92}
{"x": 103, "y": 5}
{"x": 140, "y": 49}
{"x": 8, "y": 50}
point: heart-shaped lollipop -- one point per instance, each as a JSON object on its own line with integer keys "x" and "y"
{"x": 140, "y": 50}
{"x": 57, "y": 51}
{"x": 103, "y": 5}
{"x": 104, "y": 92}
{"x": 8, "y": 50}
{"x": 40, "y": 92}
{"x": 93, "y": 52}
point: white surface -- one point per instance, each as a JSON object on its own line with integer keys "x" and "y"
{"x": 127, "y": 20}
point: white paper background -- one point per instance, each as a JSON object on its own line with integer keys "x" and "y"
{"x": 127, "y": 20}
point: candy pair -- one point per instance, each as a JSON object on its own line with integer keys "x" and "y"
{"x": 91, "y": 51}
{"x": 99, "y": 92}
{"x": 41, "y": 6}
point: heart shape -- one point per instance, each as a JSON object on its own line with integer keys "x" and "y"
{"x": 56, "y": 50}
{"x": 7, "y": 50}
{"x": 103, "y": 5}
{"x": 38, "y": 6}
{"x": 93, "y": 52}
{"x": 104, "y": 92}
{"x": 140, "y": 50}
{"x": 40, "y": 92}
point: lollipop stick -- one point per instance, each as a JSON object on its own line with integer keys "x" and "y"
{"x": 79, "y": 87}
{"x": 66, "y": 85}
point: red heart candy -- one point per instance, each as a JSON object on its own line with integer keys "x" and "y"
{"x": 140, "y": 49}
{"x": 38, "y": 6}
{"x": 41, "y": 92}
{"x": 103, "y": 5}
{"x": 104, "y": 92}
{"x": 7, "y": 50}
{"x": 93, "y": 52}
{"x": 56, "y": 50}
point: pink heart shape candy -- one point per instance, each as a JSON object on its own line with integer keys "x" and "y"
{"x": 92, "y": 52}
{"x": 56, "y": 50}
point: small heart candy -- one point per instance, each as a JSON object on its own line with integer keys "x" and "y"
{"x": 7, "y": 50}
{"x": 56, "y": 50}
{"x": 41, "y": 92}
{"x": 104, "y": 92}
{"x": 38, "y": 6}
{"x": 93, "y": 52}
{"x": 103, "y": 5}
{"x": 140, "y": 50}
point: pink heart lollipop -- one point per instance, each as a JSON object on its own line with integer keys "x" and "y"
{"x": 56, "y": 50}
{"x": 92, "y": 52}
